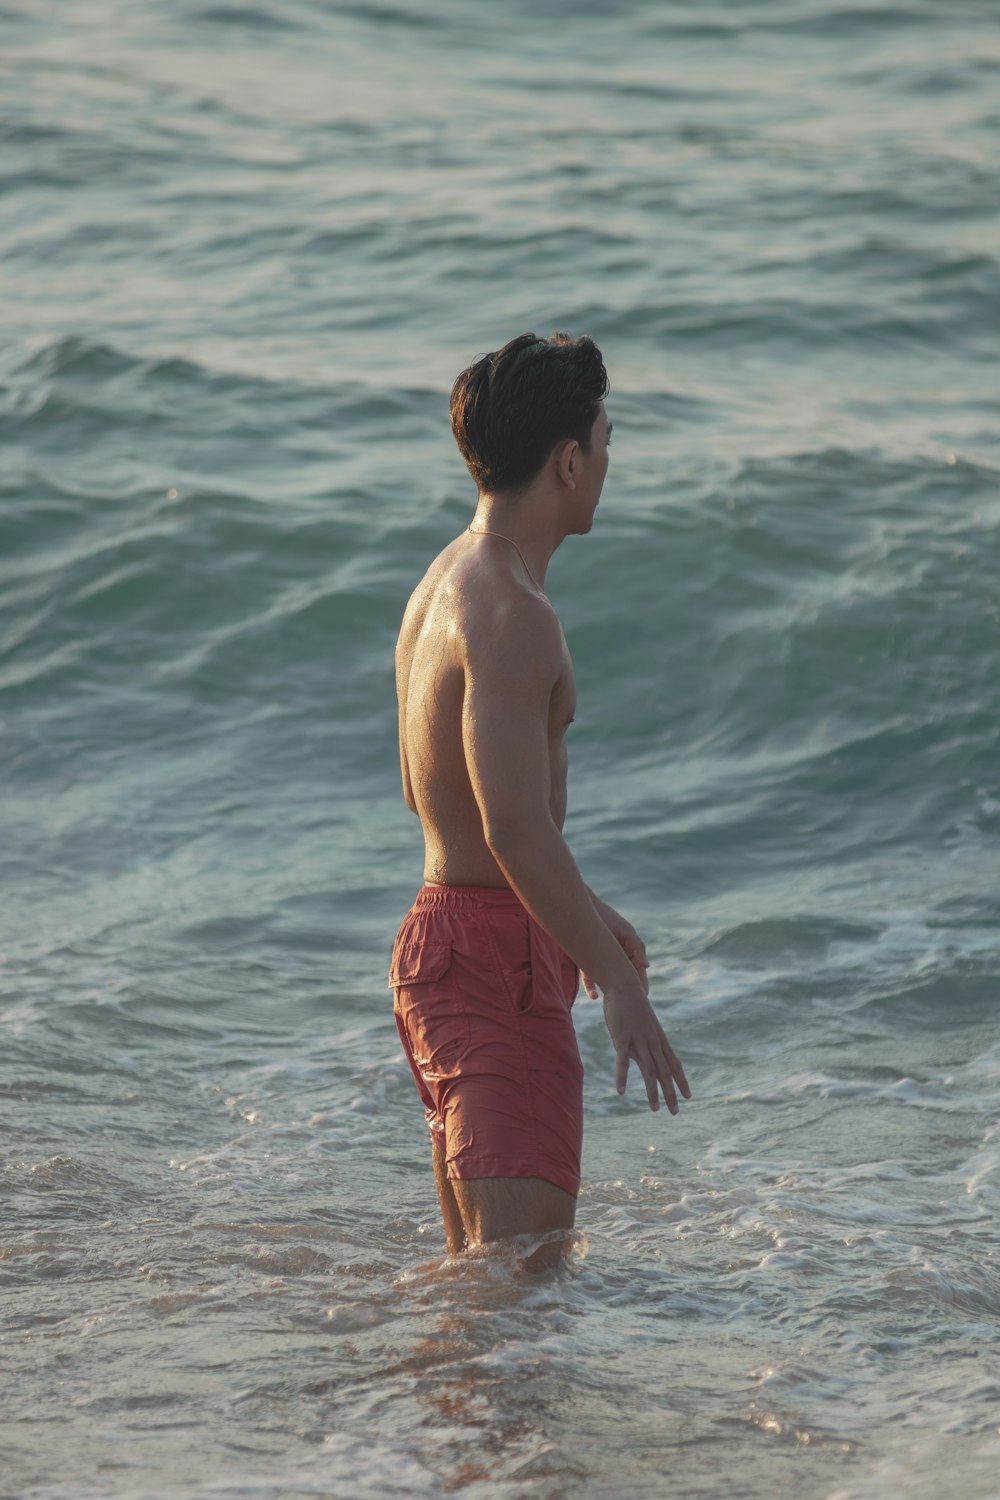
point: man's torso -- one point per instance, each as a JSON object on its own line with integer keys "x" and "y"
{"x": 464, "y": 590}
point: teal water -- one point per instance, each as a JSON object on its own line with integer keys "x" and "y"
{"x": 244, "y": 250}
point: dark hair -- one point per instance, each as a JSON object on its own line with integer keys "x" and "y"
{"x": 510, "y": 408}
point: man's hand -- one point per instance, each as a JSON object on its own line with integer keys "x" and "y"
{"x": 638, "y": 1036}
{"x": 636, "y": 1033}
{"x": 631, "y": 942}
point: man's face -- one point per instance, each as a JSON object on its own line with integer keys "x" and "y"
{"x": 593, "y": 468}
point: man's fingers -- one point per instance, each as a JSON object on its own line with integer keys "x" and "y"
{"x": 589, "y": 987}
{"x": 657, "y": 1062}
{"x": 636, "y": 952}
{"x": 674, "y": 1064}
{"x": 647, "y": 1067}
{"x": 659, "y": 1068}
{"x": 667, "y": 1085}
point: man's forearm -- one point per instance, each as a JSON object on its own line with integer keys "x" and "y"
{"x": 543, "y": 873}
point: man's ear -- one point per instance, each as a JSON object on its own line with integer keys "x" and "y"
{"x": 568, "y": 459}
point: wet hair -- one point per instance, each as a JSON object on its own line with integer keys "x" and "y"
{"x": 509, "y": 409}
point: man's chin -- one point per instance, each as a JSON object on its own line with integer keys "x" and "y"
{"x": 581, "y": 525}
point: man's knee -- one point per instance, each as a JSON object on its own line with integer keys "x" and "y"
{"x": 498, "y": 1208}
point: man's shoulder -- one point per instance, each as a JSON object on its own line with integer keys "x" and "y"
{"x": 513, "y": 627}
{"x": 484, "y": 612}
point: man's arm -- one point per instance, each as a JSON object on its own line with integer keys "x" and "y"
{"x": 631, "y": 942}
{"x": 514, "y": 660}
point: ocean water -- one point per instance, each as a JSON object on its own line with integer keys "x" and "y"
{"x": 245, "y": 247}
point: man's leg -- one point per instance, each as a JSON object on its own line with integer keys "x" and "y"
{"x": 497, "y": 1208}
{"x": 485, "y": 1209}
{"x": 454, "y": 1227}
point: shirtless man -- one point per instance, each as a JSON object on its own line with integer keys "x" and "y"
{"x": 485, "y": 966}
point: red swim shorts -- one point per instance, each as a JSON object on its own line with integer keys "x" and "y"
{"x": 483, "y": 999}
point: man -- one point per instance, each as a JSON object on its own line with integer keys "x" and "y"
{"x": 485, "y": 965}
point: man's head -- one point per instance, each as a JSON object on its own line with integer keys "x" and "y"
{"x": 510, "y": 409}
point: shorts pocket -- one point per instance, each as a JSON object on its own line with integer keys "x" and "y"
{"x": 419, "y": 963}
{"x": 429, "y": 1007}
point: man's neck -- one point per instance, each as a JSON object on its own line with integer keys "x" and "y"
{"x": 530, "y": 526}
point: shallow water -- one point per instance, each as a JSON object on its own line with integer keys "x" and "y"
{"x": 246, "y": 249}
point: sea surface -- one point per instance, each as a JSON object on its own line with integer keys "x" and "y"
{"x": 245, "y": 247}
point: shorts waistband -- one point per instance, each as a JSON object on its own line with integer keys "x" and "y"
{"x": 471, "y": 895}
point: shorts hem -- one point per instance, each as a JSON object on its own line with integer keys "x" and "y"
{"x": 474, "y": 1168}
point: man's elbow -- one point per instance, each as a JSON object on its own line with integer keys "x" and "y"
{"x": 506, "y": 833}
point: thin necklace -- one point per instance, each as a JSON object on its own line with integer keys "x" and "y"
{"x": 475, "y": 531}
